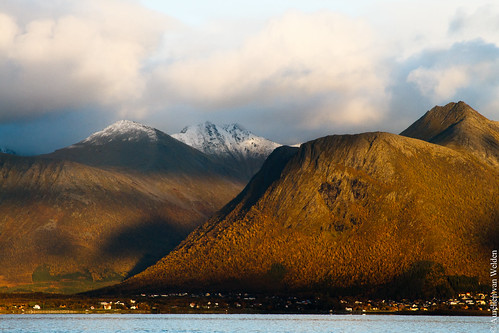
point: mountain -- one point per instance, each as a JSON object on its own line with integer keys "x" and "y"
{"x": 103, "y": 209}
{"x": 460, "y": 127}
{"x": 232, "y": 144}
{"x": 128, "y": 145}
{"x": 373, "y": 213}
{"x": 4, "y": 150}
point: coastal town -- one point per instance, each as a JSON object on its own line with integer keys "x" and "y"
{"x": 463, "y": 304}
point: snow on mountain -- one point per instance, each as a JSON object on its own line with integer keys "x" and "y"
{"x": 128, "y": 145}
{"x": 124, "y": 144}
{"x": 231, "y": 140}
{"x": 7, "y": 151}
{"x": 123, "y": 130}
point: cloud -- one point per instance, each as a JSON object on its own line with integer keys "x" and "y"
{"x": 292, "y": 77}
{"x": 324, "y": 64}
{"x": 482, "y": 22}
{"x": 469, "y": 69}
{"x": 91, "y": 54}
{"x": 8, "y": 32}
{"x": 466, "y": 71}
{"x": 440, "y": 83}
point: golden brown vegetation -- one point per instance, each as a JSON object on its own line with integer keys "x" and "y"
{"x": 346, "y": 211}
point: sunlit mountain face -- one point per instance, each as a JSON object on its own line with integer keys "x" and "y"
{"x": 373, "y": 214}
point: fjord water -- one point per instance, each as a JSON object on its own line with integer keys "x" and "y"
{"x": 240, "y": 323}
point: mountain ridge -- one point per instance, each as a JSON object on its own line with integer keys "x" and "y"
{"x": 232, "y": 144}
{"x": 459, "y": 126}
{"x": 130, "y": 146}
{"x": 124, "y": 130}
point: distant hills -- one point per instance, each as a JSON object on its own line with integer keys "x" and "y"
{"x": 411, "y": 215}
{"x": 104, "y": 208}
{"x": 232, "y": 144}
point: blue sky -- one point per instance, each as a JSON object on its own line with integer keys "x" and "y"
{"x": 287, "y": 70}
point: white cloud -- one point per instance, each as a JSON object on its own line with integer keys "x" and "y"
{"x": 479, "y": 22}
{"x": 439, "y": 84}
{"x": 7, "y": 32}
{"x": 323, "y": 62}
{"x": 466, "y": 71}
{"x": 91, "y": 57}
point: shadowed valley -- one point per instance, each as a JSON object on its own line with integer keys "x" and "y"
{"x": 103, "y": 209}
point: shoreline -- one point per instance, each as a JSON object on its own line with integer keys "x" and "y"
{"x": 371, "y": 313}
{"x": 468, "y": 304}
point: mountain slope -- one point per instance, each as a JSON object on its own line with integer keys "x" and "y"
{"x": 351, "y": 211}
{"x": 458, "y": 126}
{"x": 133, "y": 194}
{"x": 231, "y": 144}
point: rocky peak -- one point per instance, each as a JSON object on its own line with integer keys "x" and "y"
{"x": 123, "y": 130}
{"x": 440, "y": 118}
{"x": 231, "y": 139}
{"x": 458, "y": 126}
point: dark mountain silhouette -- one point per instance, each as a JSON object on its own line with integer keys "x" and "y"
{"x": 349, "y": 213}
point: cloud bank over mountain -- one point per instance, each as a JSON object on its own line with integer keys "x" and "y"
{"x": 84, "y": 54}
{"x": 293, "y": 75}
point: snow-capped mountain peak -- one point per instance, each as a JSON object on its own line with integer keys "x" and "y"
{"x": 123, "y": 130}
{"x": 226, "y": 140}
{"x": 238, "y": 132}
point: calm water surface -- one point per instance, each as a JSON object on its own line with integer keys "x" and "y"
{"x": 240, "y": 323}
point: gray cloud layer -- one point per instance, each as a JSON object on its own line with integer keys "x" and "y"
{"x": 292, "y": 78}
{"x": 90, "y": 55}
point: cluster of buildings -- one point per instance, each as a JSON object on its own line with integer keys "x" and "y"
{"x": 464, "y": 301}
{"x": 476, "y": 303}
{"x": 239, "y": 302}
